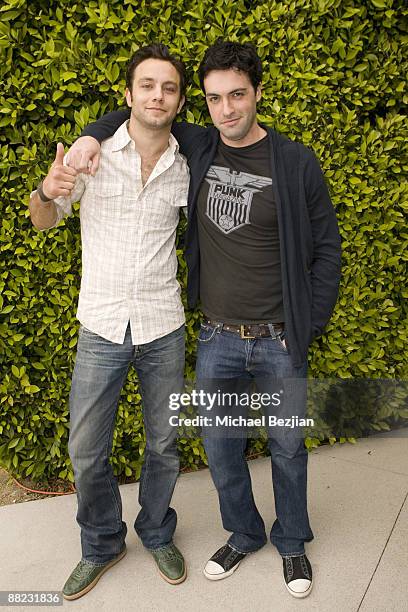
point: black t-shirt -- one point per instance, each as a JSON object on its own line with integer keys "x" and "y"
{"x": 240, "y": 268}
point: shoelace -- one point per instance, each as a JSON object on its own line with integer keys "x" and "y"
{"x": 79, "y": 570}
{"x": 304, "y": 567}
{"x": 169, "y": 554}
{"x": 298, "y": 560}
{"x": 233, "y": 555}
{"x": 219, "y": 553}
{"x": 289, "y": 567}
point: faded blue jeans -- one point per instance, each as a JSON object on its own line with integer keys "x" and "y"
{"x": 100, "y": 371}
{"x": 228, "y": 363}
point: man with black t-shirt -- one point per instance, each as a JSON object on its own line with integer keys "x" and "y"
{"x": 263, "y": 255}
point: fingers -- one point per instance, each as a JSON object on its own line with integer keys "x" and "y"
{"x": 59, "y": 161}
{"x": 65, "y": 170}
{"x": 95, "y": 164}
{"x": 84, "y": 161}
{"x": 58, "y": 192}
{"x": 78, "y": 161}
{"x": 65, "y": 185}
{"x": 59, "y": 158}
{"x": 59, "y": 181}
{"x": 82, "y": 152}
{"x": 63, "y": 173}
{"x": 60, "y": 171}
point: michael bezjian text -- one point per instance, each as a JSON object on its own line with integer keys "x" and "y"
{"x": 240, "y": 421}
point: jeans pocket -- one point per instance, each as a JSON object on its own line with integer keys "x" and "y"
{"x": 207, "y": 333}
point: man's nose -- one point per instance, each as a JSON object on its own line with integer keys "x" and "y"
{"x": 227, "y": 107}
{"x": 158, "y": 93}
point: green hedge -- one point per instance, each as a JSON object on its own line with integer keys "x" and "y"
{"x": 334, "y": 79}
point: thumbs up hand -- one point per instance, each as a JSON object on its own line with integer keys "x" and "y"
{"x": 60, "y": 179}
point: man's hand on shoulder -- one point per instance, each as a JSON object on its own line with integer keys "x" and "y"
{"x": 84, "y": 155}
{"x": 60, "y": 179}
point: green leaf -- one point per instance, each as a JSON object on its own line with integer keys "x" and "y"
{"x": 32, "y": 389}
{"x": 379, "y": 3}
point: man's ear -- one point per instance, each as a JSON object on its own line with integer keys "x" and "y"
{"x": 258, "y": 93}
{"x": 128, "y": 97}
{"x": 181, "y": 103}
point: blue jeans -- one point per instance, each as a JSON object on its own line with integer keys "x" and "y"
{"x": 224, "y": 362}
{"x": 100, "y": 371}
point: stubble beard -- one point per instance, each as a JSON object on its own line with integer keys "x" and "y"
{"x": 240, "y": 131}
{"x": 151, "y": 123}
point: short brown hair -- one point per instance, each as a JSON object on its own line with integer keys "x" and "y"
{"x": 156, "y": 51}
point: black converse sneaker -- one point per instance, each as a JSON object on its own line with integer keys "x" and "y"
{"x": 223, "y": 563}
{"x": 297, "y": 572}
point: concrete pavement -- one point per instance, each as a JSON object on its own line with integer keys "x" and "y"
{"x": 358, "y": 507}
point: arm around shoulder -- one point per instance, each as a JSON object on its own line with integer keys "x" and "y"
{"x": 106, "y": 126}
{"x": 85, "y": 152}
{"x": 187, "y": 135}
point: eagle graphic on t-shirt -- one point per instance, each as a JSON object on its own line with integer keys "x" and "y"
{"x": 230, "y": 196}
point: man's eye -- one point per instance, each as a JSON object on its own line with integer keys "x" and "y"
{"x": 170, "y": 89}
{"x": 213, "y": 100}
{"x": 146, "y": 86}
{"x": 238, "y": 94}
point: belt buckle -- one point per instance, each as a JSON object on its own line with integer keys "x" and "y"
{"x": 243, "y": 335}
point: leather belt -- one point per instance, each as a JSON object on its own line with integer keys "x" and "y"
{"x": 249, "y": 330}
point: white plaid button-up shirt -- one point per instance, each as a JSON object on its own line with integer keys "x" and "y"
{"x": 128, "y": 233}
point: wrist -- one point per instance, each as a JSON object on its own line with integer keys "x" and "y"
{"x": 45, "y": 199}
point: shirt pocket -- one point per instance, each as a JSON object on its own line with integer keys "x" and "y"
{"x": 105, "y": 199}
{"x": 160, "y": 206}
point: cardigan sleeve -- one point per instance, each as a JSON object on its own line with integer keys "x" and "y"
{"x": 106, "y": 126}
{"x": 185, "y": 133}
{"x": 326, "y": 263}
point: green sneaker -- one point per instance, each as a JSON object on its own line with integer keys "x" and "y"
{"x": 170, "y": 563}
{"x": 85, "y": 576}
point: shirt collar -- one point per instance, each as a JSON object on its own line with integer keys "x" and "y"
{"x": 122, "y": 139}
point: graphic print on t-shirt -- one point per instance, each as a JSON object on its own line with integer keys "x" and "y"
{"x": 230, "y": 196}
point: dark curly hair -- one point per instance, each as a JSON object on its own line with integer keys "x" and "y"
{"x": 156, "y": 51}
{"x": 224, "y": 55}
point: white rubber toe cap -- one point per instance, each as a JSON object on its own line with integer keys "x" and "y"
{"x": 213, "y": 569}
{"x": 299, "y": 587}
